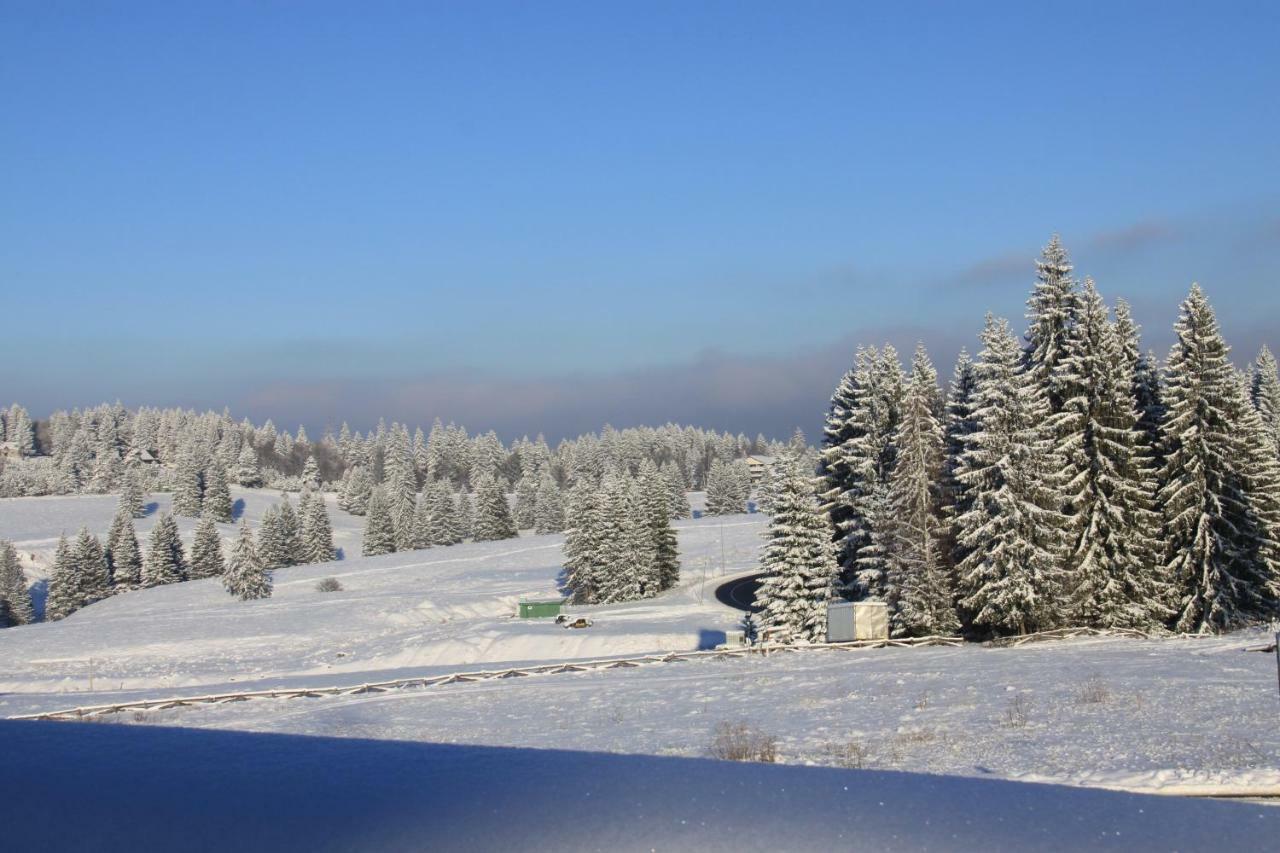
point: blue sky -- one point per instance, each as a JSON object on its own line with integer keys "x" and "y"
{"x": 546, "y": 216}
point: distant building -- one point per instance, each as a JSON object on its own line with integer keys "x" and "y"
{"x": 142, "y": 457}
{"x": 757, "y": 465}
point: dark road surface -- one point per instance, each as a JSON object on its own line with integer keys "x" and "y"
{"x": 740, "y": 594}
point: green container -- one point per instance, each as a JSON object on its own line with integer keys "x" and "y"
{"x": 540, "y": 609}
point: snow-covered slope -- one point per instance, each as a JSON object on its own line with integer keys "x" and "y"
{"x": 176, "y": 789}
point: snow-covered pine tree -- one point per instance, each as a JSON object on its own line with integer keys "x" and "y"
{"x": 206, "y": 550}
{"x": 917, "y": 583}
{"x": 290, "y": 533}
{"x": 1010, "y": 573}
{"x": 165, "y": 560}
{"x": 548, "y": 514}
{"x": 443, "y": 514}
{"x": 677, "y": 497}
{"x": 246, "y": 576}
{"x": 1110, "y": 579}
{"x": 317, "y": 532}
{"x": 465, "y": 514}
{"x": 274, "y": 548}
{"x": 356, "y": 495}
{"x": 379, "y": 526}
{"x": 582, "y": 543}
{"x": 526, "y": 509}
{"x": 63, "y": 595}
{"x": 1051, "y": 311}
{"x": 123, "y": 553}
{"x": 189, "y": 485}
{"x": 492, "y": 514}
{"x": 724, "y": 490}
{"x": 217, "y": 495}
{"x": 655, "y": 510}
{"x": 132, "y": 497}
{"x": 420, "y": 524}
{"x": 1214, "y": 548}
{"x": 248, "y": 471}
{"x": 93, "y": 581}
{"x": 1264, "y": 392}
{"x": 15, "y": 596}
{"x": 798, "y": 560}
{"x": 311, "y": 473}
{"x": 958, "y": 425}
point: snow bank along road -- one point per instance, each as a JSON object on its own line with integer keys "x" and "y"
{"x": 184, "y": 789}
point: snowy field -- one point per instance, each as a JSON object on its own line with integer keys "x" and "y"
{"x": 1155, "y": 715}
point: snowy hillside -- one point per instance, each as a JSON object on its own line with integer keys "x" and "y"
{"x": 437, "y": 607}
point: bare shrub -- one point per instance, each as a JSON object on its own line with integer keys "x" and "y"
{"x": 1018, "y": 712}
{"x": 1094, "y": 691}
{"x": 922, "y": 701}
{"x": 852, "y": 755}
{"x": 739, "y": 742}
{"x": 329, "y": 585}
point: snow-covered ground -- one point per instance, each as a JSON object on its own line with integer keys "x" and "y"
{"x": 1157, "y": 714}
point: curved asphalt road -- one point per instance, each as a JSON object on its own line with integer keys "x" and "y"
{"x": 740, "y": 594}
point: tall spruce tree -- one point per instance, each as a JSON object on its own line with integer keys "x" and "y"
{"x": 246, "y": 577}
{"x": 15, "y": 595}
{"x": 290, "y": 533}
{"x": 123, "y": 553}
{"x": 206, "y": 550}
{"x": 959, "y": 425}
{"x": 1264, "y": 392}
{"x": 132, "y": 496}
{"x": 583, "y": 543}
{"x": 217, "y": 494}
{"x": 165, "y": 560}
{"x": 1214, "y": 544}
{"x": 63, "y": 596}
{"x": 1051, "y": 312}
{"x": 798, "y": 560}
{"x": 317, "y": 532}
{"x": 1009, "y": 577}
{"x": 1111, "y": 553}
{"x": 492, "y": 514}
{"x": 189, "y": 485}
{"x": 548, "y": 514}
{"x": 275, "y": 546}
{"x": 918, "y": 584}
{"x": 248, "y": 471}
{"x": 379, "y": 526}
{"x": 94, "y": 576}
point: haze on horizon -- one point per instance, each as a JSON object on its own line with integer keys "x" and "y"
{"x": 543, "y": 218}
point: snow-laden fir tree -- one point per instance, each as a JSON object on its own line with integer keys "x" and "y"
{"x": 583, "y": 543}
{"x": 465, "y": 514}
{"x": 355, "y": 497}
{"x": 1264, "y": 392}
{"x": 188, "y": 486}
{"x": 625, "y": 561}
{"x": 442, "y": 514}
{"x": 123, "y": 553}
{"x": 725, "y": 495}
{"x": 317, "y": 531}
{"x": 311, "y": 473}
{"x": 248, "y": 471}
{"x": 206, "y": 550}
{"x": 958, "y": 424}
{"x": 526, "y": 509}
{"x": 93, "y": 574}
{"x": 677, "y": 497}
{"x": 798, "y": 560}
{"x": 917, "y": 584}
{"x": 132, "y": 497}
{"x": 165, "y": 561}
{"x": 1051, "y": 311}
{"x": 290, "y": 533}
{"x": 275, "y": 546}
{"x": 63, "y": 596}
{"x": 379, "y": 526}
{"x": 217, "y": 494}
{"x": 1009, "y": 578}
{"x": 548, "y": 513}
{"x": 856, "y": 458}
{"x": 655, "y": 510}
{"x": 420, "y": 525}
{"x": 15, "y": 596}
{"x": 246, "y": 577}
{"x": 492, "y": 514}
{"x": 1110, "y": 578}
{"x": 1215, "y": 546}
